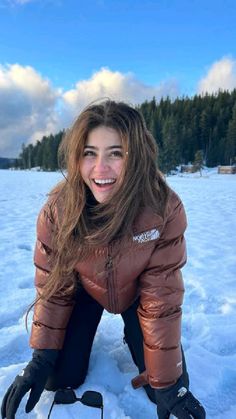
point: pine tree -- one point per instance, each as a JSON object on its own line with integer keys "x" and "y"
{"x": 23, "y": 156}
{"x": 198, "y": 161}
{"x": 230, "y": 144}
{"x": 170, "y": 155}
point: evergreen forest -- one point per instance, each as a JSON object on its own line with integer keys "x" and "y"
{"x": 182, "y": 128}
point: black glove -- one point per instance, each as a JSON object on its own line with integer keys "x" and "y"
{"x": 33, "y": 377}
{"x": 179, "y": 401}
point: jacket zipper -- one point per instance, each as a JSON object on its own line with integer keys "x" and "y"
{"x": 111, "y": 282}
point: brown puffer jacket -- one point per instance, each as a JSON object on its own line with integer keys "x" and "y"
{"x": 146, "y": 266}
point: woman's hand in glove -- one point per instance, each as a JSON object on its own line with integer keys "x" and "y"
{"x": 179, "y": 401}
{"x": 33, "y": 377}
{"x": 142, "y": 380}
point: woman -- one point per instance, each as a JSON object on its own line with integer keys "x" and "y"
{"x": 110, "y": 236}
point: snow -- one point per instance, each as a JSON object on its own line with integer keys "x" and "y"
{"x": 209, "y": 311}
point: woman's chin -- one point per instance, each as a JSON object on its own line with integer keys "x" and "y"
{"x": 102, "y": 196}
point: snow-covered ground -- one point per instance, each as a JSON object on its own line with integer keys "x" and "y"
{"x": 209, "y": 320}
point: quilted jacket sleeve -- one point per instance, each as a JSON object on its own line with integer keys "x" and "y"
{"x": 51, "y": 316}
{"x": 161, "y": 298}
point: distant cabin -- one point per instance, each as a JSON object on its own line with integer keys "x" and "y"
{"x": 189, "y": 168}
{"x": 227, "y": 170}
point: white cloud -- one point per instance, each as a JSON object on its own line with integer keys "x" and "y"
{"x": 30, "y": 107}
{"x": 27, "y": 108}
{"x": 117, "y": 86}
{"x": 221, "y": 75}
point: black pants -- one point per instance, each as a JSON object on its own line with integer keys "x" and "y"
{"x": 72, "y": 365}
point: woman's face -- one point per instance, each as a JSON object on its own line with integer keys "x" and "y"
{"x": 102, "y": 162}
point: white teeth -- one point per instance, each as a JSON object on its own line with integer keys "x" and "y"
{"x": 103, "y": 181}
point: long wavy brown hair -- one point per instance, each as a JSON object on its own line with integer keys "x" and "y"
{"x": 83, "y": 227}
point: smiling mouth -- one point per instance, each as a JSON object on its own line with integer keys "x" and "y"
{"x": 103, "y": 182}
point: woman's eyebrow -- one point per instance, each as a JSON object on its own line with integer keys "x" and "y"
{"x": 107, "y": 148}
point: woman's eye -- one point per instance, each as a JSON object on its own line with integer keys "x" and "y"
{"x": 117, "y": 153}
{"x": 88, "y": 153}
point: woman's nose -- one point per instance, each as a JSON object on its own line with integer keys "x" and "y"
{"x": 101, "y": 162}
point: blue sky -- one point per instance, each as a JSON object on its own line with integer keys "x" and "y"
{"x": 56, "y": 56}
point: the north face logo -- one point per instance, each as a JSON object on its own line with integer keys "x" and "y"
{"x": 147, "y": 236}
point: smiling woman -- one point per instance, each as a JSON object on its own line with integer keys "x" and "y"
{"x": 110, "y": 236}
{"x": 102, "y": 162}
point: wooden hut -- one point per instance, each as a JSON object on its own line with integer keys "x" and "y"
{"x": 227, "y": 170}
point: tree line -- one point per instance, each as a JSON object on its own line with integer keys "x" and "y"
{"x": 183, "y": 128}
